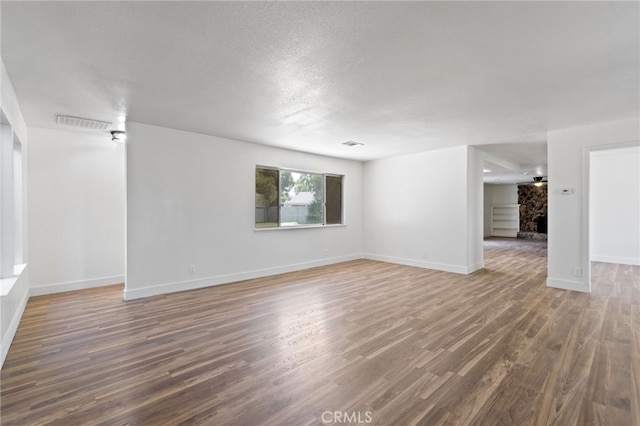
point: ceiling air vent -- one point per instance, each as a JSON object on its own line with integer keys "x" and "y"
{"x": 83, "y": 123}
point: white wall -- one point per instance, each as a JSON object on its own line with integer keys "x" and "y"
{"x": 76, "y": 210}
{"x": 418, "y": 203}
{"x": 191, "y": 200}
{"x": 14, "y": 291}
{"x": 614, "y": 206}
{"x": 475, "y": 204}
{"x": 497, "y": 194}
{"x": 568, "y": 157}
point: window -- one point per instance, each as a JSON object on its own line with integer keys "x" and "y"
{"x": 333, "y": 189}
{"x": 11, "y": 212}
{"x": 288, "y": 198}
{"x": 267, "y": 188}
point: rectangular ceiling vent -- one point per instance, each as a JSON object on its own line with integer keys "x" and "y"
{"x": 83, "y": 123}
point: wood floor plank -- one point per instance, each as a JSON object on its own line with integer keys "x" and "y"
{"x": 400, "y": 344}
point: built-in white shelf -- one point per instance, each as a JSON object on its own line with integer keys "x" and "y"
{"x": 505, "y": 220}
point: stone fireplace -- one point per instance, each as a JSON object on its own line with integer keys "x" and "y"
{"x": 533, "y": 211}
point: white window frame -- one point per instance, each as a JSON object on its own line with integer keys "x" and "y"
{"x": 324, "y": 199}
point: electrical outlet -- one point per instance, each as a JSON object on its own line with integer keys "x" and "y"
{"x": 325, "y": 252}
{"x": 424, "y": 254}
{"x": 192, "y": 269}
{"x": 576, "y": 272}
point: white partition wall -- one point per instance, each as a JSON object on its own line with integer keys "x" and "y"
{"x": 425, "y": 210}
{"x": 568, "y": 226}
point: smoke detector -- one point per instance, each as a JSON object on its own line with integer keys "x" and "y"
{"x": 83, "y": 123}
{"x": 352, "y": 143}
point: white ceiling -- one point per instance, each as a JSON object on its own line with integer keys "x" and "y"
{"x": 399, "y": 77}
{"x": 521, "y": 162}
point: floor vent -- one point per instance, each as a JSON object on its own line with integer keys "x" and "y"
{"x": 83, "y": 123}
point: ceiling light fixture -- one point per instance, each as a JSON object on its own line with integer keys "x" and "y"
{"x": 118, "y": 135}
{"x": 352, "y": 143}
{"x": 537, "y": 181}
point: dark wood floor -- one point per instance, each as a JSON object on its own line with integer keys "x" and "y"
{"x": 388, "y": 343}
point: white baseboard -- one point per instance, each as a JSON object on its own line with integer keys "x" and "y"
{"x": 456, "y": 269}
{"x": 613, "y": 259}
{"x": 568, "y": 285}
{"x": 137, "y": 293}
{"x": 475, "y": 267}
{"x": 13, "y": 327}
{"x": 75, "y": 285}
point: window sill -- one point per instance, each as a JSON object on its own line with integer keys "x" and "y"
{"x": 6, "y": 284}
{"x": 281, "y": 228}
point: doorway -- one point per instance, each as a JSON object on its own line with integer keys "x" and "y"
{"x": 614, "y": 227}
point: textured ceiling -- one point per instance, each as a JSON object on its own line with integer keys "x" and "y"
{"x": 399, "y": 77}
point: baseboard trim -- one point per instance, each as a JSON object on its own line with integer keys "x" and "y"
{"x": 13, "y": 327}
{"x": 568, "y": 285}
{"x": 173, "y": 287}
{"x": 456, "y": 269}
{"x": 618, "y": 260}
{"x": 475, "y": 267}
{"x": 75, "y": 285}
